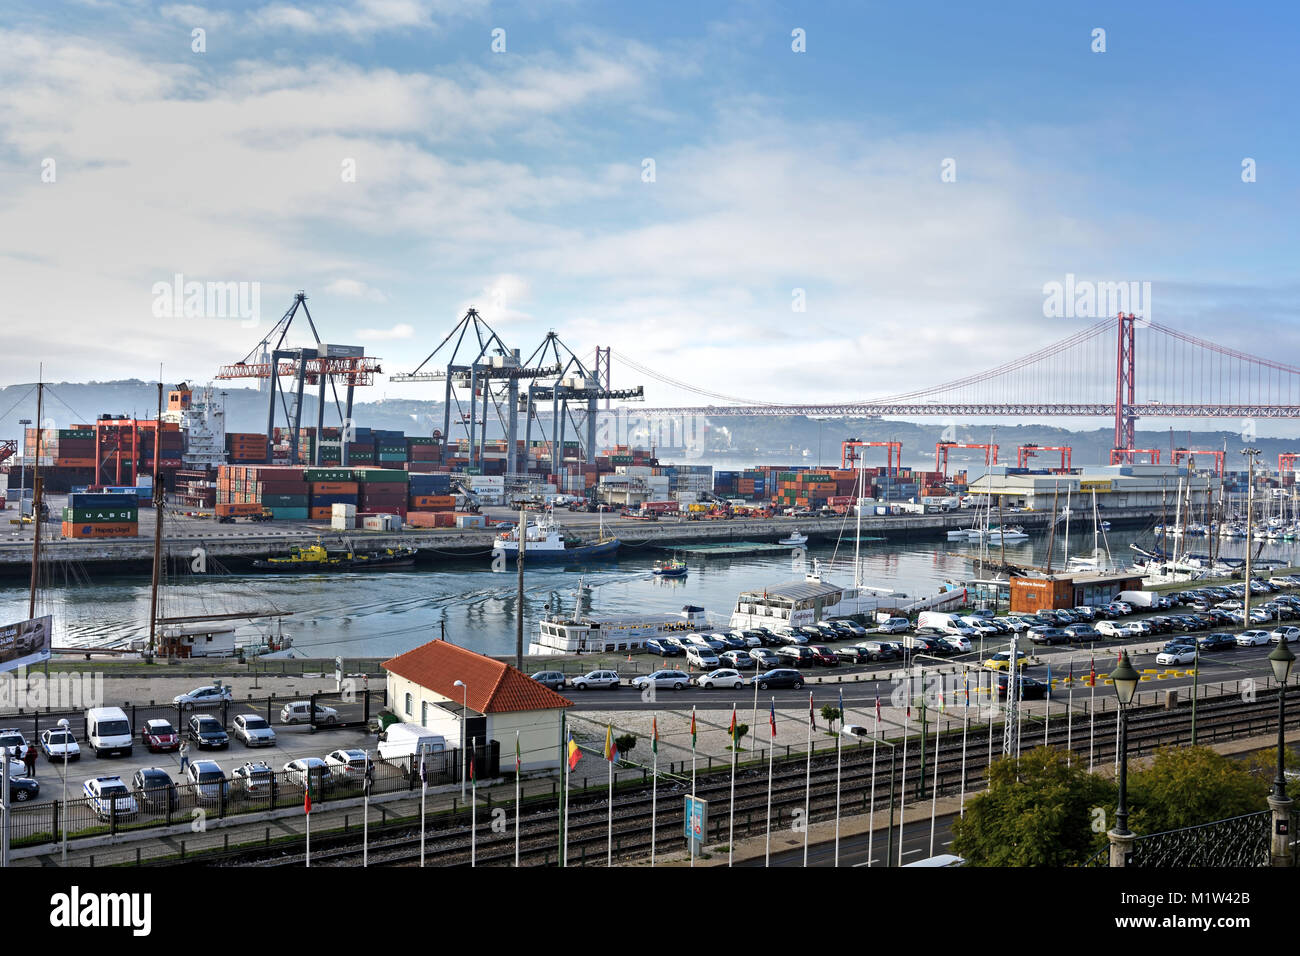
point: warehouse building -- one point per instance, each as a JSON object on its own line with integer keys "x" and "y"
{"x": 495, "y": 701}
{"x": 1116, "y": 486}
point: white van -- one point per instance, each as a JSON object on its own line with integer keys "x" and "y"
{"x": 108, "y": 731}
{"x": 402, "y": 742}
{"x": 948, "y": 623}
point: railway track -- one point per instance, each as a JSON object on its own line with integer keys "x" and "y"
{"x": 447, "y": 842}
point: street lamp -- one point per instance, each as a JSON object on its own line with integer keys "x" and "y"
{"x": 1126, "y": 680}
{"x": 1280, "y": 851}
{"x": 464, "y": 715}
{"x": 67, "y": 732}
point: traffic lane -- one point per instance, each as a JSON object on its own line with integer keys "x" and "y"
{"x": 290, "y": 744}
{"x": 853, "y": 849}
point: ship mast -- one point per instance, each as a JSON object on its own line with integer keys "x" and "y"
{"x": 158, "y": 510}
{"x": 37, "y": 501}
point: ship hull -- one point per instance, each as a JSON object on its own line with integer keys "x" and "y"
{"x": 587, "y": 552}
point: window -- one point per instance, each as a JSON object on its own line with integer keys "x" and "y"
{"x": 408, "y": 705}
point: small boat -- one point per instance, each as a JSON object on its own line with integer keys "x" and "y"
{"x": 794, "y": 539}
{"x": 670, "y": 569}
{"x": 546, "y": 541}
{"x": 317, "y": 558}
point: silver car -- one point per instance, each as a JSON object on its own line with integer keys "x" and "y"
{"x": 254, "y": 731}
{"x": 209, "y": 781}
{"x": 298, "y": 772}
{"x": 667, "y": 679}
{"x": 213, "y": 694}
{"x": 597, "y": 680}
{"x": 299, "y": 712}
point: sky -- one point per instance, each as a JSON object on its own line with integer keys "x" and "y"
{"x": 766, "y": 201}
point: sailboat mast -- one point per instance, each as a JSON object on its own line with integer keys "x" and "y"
{"x": 1051, "y": 533}
{"x": 857, "y": 537}
{"x": 158, "y": 509}
{"x": 36, "y": 502}
{"x": 1067, "y": 529}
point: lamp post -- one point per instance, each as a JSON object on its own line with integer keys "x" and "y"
{"x": 67, "y": 733}
{"x": 1280, "y": 852}
{"x": 1250, "y": 454}
{"x": 1126, "y": 681}
{"x": 464, "y": 715}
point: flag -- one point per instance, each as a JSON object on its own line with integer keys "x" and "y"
{"x": 733, "y": 726}
{"x": 1071, "y": 673}
{"x": 772, "y": 718}
{"x": 812, "y": 718}
{"x": 611, "y": 751}
{"x": 422, "y": 777}
{"x": 471, "y": 768}
{"x": 306, "y": 799}
{"x": 941, "y": 700}
{"x": 965, "y": 679}
{"x": 693, "y": 730}
{"x": 654, "y": 730}
{"x": 1092, "y": 675}
{"x": 877, "y": 708}
{"x": 841, "y": 709}
{"x": 574, "y": 754}
{"x": 1049, "y": 678}
{"x": 517, "y": 755}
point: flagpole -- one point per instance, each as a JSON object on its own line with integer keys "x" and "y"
{"x": 934, "y": 787}
{"x": 771, "y": 750}
{"x": 517, "y": 799}
{"x": 839, "y": 759}
{"x": 1069, "y": 721}
{"x": 731, "y": 824}
{"x": 365, "y": 818}
{"x": 807, "y": 783}
{"x": 609, "y": 826}
{"x": 1092, "y": 713}
{"x": 903, "y": 788}
{"x": 309, "y": 824}
{"x": 654, "y": 792}
{"x": 871, "y": 812}
{"x": 423, "y": 788}
{"x": 965, "y": 728}
{"x": 692, "y": 836}
{"x": 473, "y": 813}
{"x": 1047, "y": 707}
{"x": 568, "y": 769}
{"x": 990, "y": 712}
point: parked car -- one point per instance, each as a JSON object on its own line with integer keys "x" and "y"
{"x": 1111, "y": 629}
{"x": 1048, "y": 635}
{"x": 702, "y": 657}
{"x": 879, "y": 650}
{"x": 854, "y": 629}
{"x": 59, "y": 744}
{"x": 108, "y": 795}
{"x": 314, "y": 769}
{"x": 853, "y": 655}
{"x": 1029, "y": 689}
{"x": 1288, "y": 634}
{"x": 347, "y": 767}
{"x": 597, "y": 680}
{"x": 253, "y": 778}
{"x": 209, "y": 781}
{"x": 206, "y": 731}
{"x": 823, "y": 655}
{"x": 1002, "y": 660}
{"x": 959, "y": 644}
{"x": 552, "y": 679}
{"x": 667, "y": 679}
{"x": 13, "y": 741}
{"x": 22, "y": 789}
{"x": 300, "y": 712}
{"x": 1179, "y": 654}
{"x": 202, "y": 697}
{"x": 159, "y": 736}
{"x": 793, "y": 654}
{"x": 1082, "y": 633}
{"x": 764, "y": 658}
{"x": 895, "y": 625}
{"x": 779, "y": 677}
{"x": 254, "y": 730}
{"x": 740, "y": 660}
{"x": 1252, "y": 638}
{"x": 854, "y": 730}
{"x": 1217, "y": 642}
{"x": 663, "y": 648}
{"x": 155, "y": 790}
{"x": 722, "y": 677}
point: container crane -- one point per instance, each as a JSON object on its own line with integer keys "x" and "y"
{"x": 1031, "y": 450}
{"x": 1128, "y": 456}
{"x": 850, "y": 452}
{"x": 1190, "y": 455}
{"x": 941, "y": 452}
{"x": 314, "y": 365}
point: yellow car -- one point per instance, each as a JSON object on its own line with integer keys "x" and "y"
{"x": 1002, "y": 661}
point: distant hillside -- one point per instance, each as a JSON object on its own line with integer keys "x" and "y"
{"x": 744, "y": 439}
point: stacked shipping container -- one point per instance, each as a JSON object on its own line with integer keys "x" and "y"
{"x": 101, "y": 516}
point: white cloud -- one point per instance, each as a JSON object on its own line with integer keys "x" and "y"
{"x": 362, "y": 17}
{"x": 355, "y": 289}
{"x": 192, "y": 15}
{"x": 399, "y": 331}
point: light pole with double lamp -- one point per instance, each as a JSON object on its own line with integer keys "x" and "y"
{"x": 1126, "y": 680}
{"x": 67, "y": 737}
{"x": 1280, "y": 852}
{"x": 464, "y": 714}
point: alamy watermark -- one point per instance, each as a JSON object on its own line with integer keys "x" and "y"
{"x": 1084, "y": 299}
{"x": 58, "y": 691}
{"x": 208, "y": 300}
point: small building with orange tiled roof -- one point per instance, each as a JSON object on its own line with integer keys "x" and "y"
{"x": 495, "y": 701}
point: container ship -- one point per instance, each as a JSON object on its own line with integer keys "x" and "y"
{"x": 316, "y": 558}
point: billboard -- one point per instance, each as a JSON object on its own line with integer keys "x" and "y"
{"x": 25, "y": 643}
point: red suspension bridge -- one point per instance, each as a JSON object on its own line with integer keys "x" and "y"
{"x": 1123, "y": 369}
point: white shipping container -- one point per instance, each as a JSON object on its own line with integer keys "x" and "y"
{"x": 343, "y": 522}
{"x": 344, "y": 511}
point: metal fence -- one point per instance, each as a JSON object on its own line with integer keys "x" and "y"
{"x": 188, "y": 802}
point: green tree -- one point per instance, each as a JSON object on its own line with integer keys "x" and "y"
{"x": 1186, "y": 786}
{"x": 1040, "y": 813}
{"x": 625, "y": 743}
{"x": 741, "y": 730}
{"x": 830, "y": 714}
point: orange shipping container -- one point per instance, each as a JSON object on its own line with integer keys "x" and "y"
{"x": 423, "y": 519}
{"x": 115, "y": 530}
{"x": 320, "y": 514}
{"x": 334, "y": 488}
{"x": 237, "y": 509}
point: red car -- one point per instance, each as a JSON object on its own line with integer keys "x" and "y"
{"x": 159, "y": 736}
{"x": 824, "y": 656}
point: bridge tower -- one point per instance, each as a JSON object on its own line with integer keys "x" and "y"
{"x": 1125, "y": 384}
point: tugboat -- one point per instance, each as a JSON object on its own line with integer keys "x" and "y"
{"x": 676, "y": 568}
{"x": 317, "y": 558}
{"x": 546, "y": 542}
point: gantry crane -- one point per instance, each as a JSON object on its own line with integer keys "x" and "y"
{"x": 941, "y": 450}
{"x": 1286, "y": 461}
{"x": 574, "y": 383}
{"x": 1031, "y": 450}
{"x": 1190, "y": 454}
{"x": 487, "y": 359}
{"x": 849, "y": 453}
{"x": 1128, "y": 456}
{"x": 312, "y": 365}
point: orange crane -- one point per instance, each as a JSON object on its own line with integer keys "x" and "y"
{"x": 1190, "y": 455}
{"x": 1127, "y": 456}
{"x": 1026, "y": 452}
{"x": 849, "y": 453}
{"x": 941, "y": 451}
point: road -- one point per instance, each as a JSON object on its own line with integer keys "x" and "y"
{"x": 853, "y": 849}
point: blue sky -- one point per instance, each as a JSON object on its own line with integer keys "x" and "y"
{"x": 513, "y": 181}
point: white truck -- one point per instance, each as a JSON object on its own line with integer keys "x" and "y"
{"x": 403, "y": 742}
{"x": 1139, "y": 598}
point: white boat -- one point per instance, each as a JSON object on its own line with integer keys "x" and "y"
{"x": 794, "y": 539}
{"x": 581, "y": 633}
{"x": 1006, "y": 535}
{"x": 546, "y": 541}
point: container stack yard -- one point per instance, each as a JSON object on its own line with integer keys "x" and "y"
{"x": 109, "y": 515}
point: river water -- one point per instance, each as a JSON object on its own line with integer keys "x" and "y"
{"x": 387, "y": 613}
